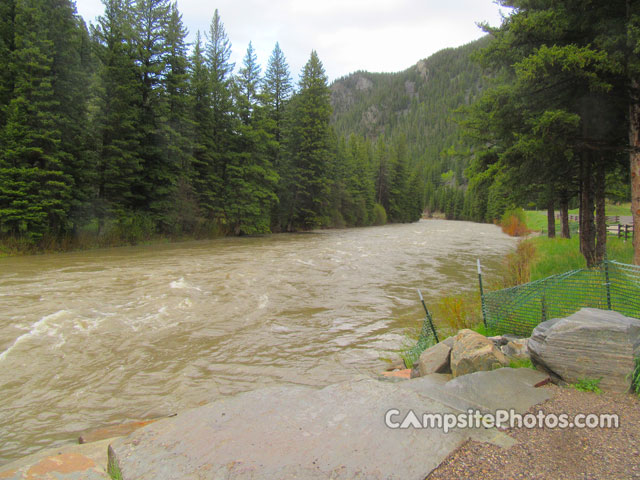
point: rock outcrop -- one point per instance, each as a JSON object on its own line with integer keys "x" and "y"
{"x": 473, "y": 352}
{"x": 593, "y": 344}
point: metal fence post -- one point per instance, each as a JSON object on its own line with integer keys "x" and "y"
{"x": 606, "y": 278}
{"x": 426, "y": 310}
{"x": 484, "y": 317}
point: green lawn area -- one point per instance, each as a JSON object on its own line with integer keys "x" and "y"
{"x": 537, "y": 219}
{"x": 560, "y": 255}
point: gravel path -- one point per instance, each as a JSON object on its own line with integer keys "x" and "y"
{"x": 555, "y": 454}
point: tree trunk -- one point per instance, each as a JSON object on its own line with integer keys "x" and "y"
{"x": 601, "y": 219}
{"x": 587, "y": 227}
{"x": 634, "y": 156}
{"x": 564, "y": 214}
{"x": 551, "y": 218}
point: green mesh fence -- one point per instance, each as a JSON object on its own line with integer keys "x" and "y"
{"x": 518, "y": 310}
{"x": 609, "y": 286}
{"x": 425, "y": 340}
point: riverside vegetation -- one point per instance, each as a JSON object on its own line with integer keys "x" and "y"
{"x": 535, "y": 258}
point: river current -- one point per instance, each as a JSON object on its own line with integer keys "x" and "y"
{"x": 94, "y": 338}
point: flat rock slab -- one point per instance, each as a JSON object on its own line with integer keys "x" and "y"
{"x": 68, "y": 462}
{"x": 113, "y": 431}
{"x": 505, "y": 388}
{"x": 297, "y": 432}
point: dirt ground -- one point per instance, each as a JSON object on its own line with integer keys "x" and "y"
{"x": 558, "y": 454}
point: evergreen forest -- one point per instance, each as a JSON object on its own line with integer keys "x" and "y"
{"x": 123, "y": 130}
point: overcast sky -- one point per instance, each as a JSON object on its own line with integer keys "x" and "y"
{"x": 349, "y": 35}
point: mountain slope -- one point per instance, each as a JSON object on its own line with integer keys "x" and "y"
{"x": 416, "y": 103}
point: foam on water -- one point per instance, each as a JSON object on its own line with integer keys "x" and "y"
{"x": 264, "y": 301}
{"x": 182, "y": 284}
{"x": 44, "y": 326}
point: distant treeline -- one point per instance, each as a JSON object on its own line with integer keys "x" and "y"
{"x": 124, "y": 129}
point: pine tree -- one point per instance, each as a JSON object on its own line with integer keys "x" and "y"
{"x": 35, "y": 192}
{"x": 248, "y": 82}
{"x": 179, "y": 128}
{"x": 277, "y": 88}
{"x": 250, "y": 177}
{"x": 382, "y": 173}
{"x": 205, "y": 179}
{"x": 218, "y": 53}
{"x": 73, "y": 66}
{"x": 119, "y": 165}
{"x": 398, "y": 184}
{"x": 308, "y": 149}
{"x": 275, "y": 94}
{"x": 359, "y": 185}
{"x": 157, "y": 182}
{"x": 564, "y": 61}
{"x": 7, "y": 46}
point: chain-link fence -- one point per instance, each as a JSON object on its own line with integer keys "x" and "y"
{"x": 518, "y": 310}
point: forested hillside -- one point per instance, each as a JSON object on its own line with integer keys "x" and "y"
{"x": 418, "y": 107}
{"x": 121, "y": 130}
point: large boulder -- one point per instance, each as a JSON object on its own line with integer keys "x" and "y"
{"x": 473, "y": 352}
{"x": 435, "y": 360}
{"x": 593, "y": 344}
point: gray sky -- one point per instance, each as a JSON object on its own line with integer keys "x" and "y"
{"x": 349, "y": 35}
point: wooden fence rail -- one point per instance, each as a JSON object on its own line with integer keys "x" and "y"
{"x": 620, "y": 226}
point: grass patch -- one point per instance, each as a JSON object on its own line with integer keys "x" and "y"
{"x": 486, "y": 331}
{"x": 635, "y": 377}
{"x": 623, "y": 209}
{"x": 114, "y": 470}
{"x": 521, "y": 363}
{"x": 588, "y": 385}
{"x": 555, "y": 255}
{"x": 559, "y": 255}
{"x": 537, "y": 221}
{"x": 456, "y": 312}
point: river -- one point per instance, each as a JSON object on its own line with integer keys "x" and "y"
{"x": 89, "y": 339}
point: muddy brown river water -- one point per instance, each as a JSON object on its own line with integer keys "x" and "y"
{"x": 95, "y": 338}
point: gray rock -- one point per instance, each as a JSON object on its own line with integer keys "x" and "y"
{"x": 499, "y": 340}
{"x": 435, "y": 360}
{"x": 504, "y": 388}
{"x": 449, "y": 341}
{"x": 593, "y": 344}
{"x": 289, "y": 432}
{"x": 473, "y": 352}
{"x": 516, "y": 349}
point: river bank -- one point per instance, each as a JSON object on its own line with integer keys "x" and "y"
{"x": 534, "y": 258}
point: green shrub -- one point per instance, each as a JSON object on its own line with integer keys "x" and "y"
{"x": 514, "y": 222}
{"x": 588, "y": 385}
{"x": 379, "y": 215}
